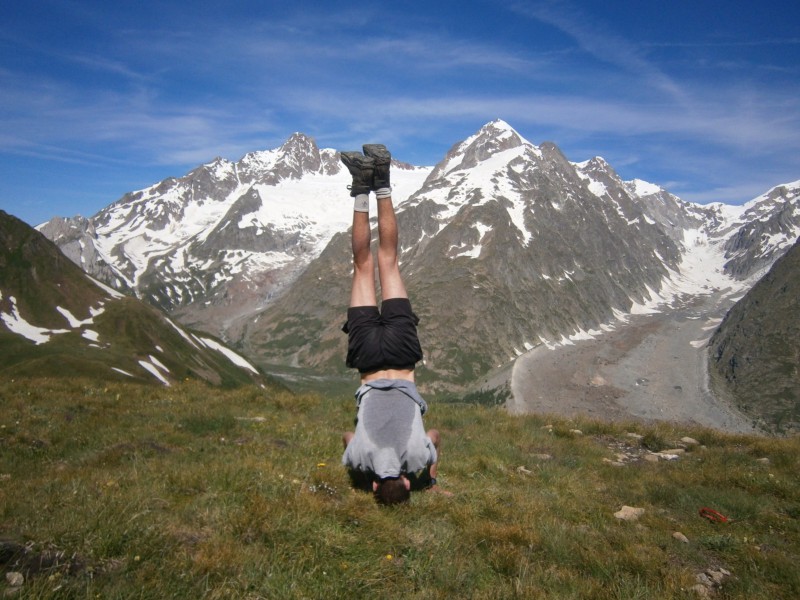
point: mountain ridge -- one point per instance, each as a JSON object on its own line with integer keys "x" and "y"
{"x": 550, "y": 249}
{"x": 457, "y": 215}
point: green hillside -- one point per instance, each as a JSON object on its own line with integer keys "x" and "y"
{"x": 111, "y": 490}
{"x": 754, "y": 356}
{"x": 56, "y": 321}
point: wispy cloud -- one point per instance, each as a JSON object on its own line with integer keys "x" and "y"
{"x": 170, "y": 87}
{"x": 737, "y": 43}
{"x": 600, "y": 43}
{"x": 439, "y": 53}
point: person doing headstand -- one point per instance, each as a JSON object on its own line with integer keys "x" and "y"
{"x": 390, "y": 448}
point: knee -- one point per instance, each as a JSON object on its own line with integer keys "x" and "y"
{"x": 388, "y": 262}
{"x": 433, "y": 434}
{"x": 346, "y": 437}
{"x": 364, "y": 265}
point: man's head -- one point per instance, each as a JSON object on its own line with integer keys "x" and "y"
{"x": 392, "y": 490}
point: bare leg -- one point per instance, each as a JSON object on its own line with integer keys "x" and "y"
{"x": 363, "y": 290}
{"x": 388, "y": 267}
{"x": 433, "y": 434}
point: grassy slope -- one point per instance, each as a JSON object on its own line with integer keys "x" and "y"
{"x": 41, "y": 280}
{"x": 195, "y": 492}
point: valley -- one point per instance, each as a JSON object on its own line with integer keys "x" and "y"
{"x": 649, "y": 367}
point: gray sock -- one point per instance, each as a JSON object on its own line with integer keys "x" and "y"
{"x": 361, "y": 203}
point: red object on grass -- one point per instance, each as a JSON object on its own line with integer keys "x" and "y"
{"x": 713, "y": 515}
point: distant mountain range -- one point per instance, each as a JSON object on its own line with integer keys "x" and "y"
{"x": 505, "y": 245}
{"x": 56, "y": 321}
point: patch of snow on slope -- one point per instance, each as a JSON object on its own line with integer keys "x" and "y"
{"x": 230, "y": 354}
{"x": 90, "y": 335}
{"x": 16, "y": 324}
{"x": 158, "y": 363}
{"x": 644, "y": 188}
{"x": 598, "y": 188}
{"x": 72, "y": 320}
{"x": 183, "y": 334}
{"x": 153, "y": 370}
{"x": 649, "y": 306}
{"x": 315, "y": 206}
{"x": 474, "y": 251}
{"x": 484, "y": 176}
{"x": 701, "y": 270}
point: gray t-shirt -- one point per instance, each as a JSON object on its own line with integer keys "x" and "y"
{"x": 390, "y": 438}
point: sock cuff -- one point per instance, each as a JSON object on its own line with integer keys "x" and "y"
{"x": 361, "y": 203}
{"x": 383, "y": 193}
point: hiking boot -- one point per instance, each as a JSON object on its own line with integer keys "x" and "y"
{"x": 383, "y": 160}
{"x": 361, "y": 168}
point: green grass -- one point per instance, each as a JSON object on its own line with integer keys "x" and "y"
{"x": 126, "y": 491}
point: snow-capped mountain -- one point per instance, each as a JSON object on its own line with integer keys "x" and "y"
{"x": 761, "y": 230}
{"x": 218, "y": 244}
{"x": 508, "y": 245}
{"x": 505, "y": 245}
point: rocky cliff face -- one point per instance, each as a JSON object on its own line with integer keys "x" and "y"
{"x": 763, "y": 231}
{"x": 76, "y": 238}
{"x": 755, "y": 355}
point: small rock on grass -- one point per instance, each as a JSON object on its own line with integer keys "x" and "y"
{"x": 629, "y": 513}
{"x": 680, "y": 537}
{"x": 667, "y": 455}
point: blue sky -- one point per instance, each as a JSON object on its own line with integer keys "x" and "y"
{"x": 100, "y": 98}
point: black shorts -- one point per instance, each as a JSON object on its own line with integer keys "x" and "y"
{"x": 385, "y": 339}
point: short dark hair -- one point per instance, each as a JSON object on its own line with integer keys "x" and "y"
{"x": 392, "y": 490}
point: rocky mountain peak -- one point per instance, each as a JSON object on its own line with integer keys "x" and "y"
{"x": 493, "y": 138}
{"x": 598, "y": 168}
{"x": 499, "y": 128}
{"x": 596, "y": 165}
{"x": 299, "y": 143}
{"x": 298, "y": 156}
{"x": 64, "y": 230}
